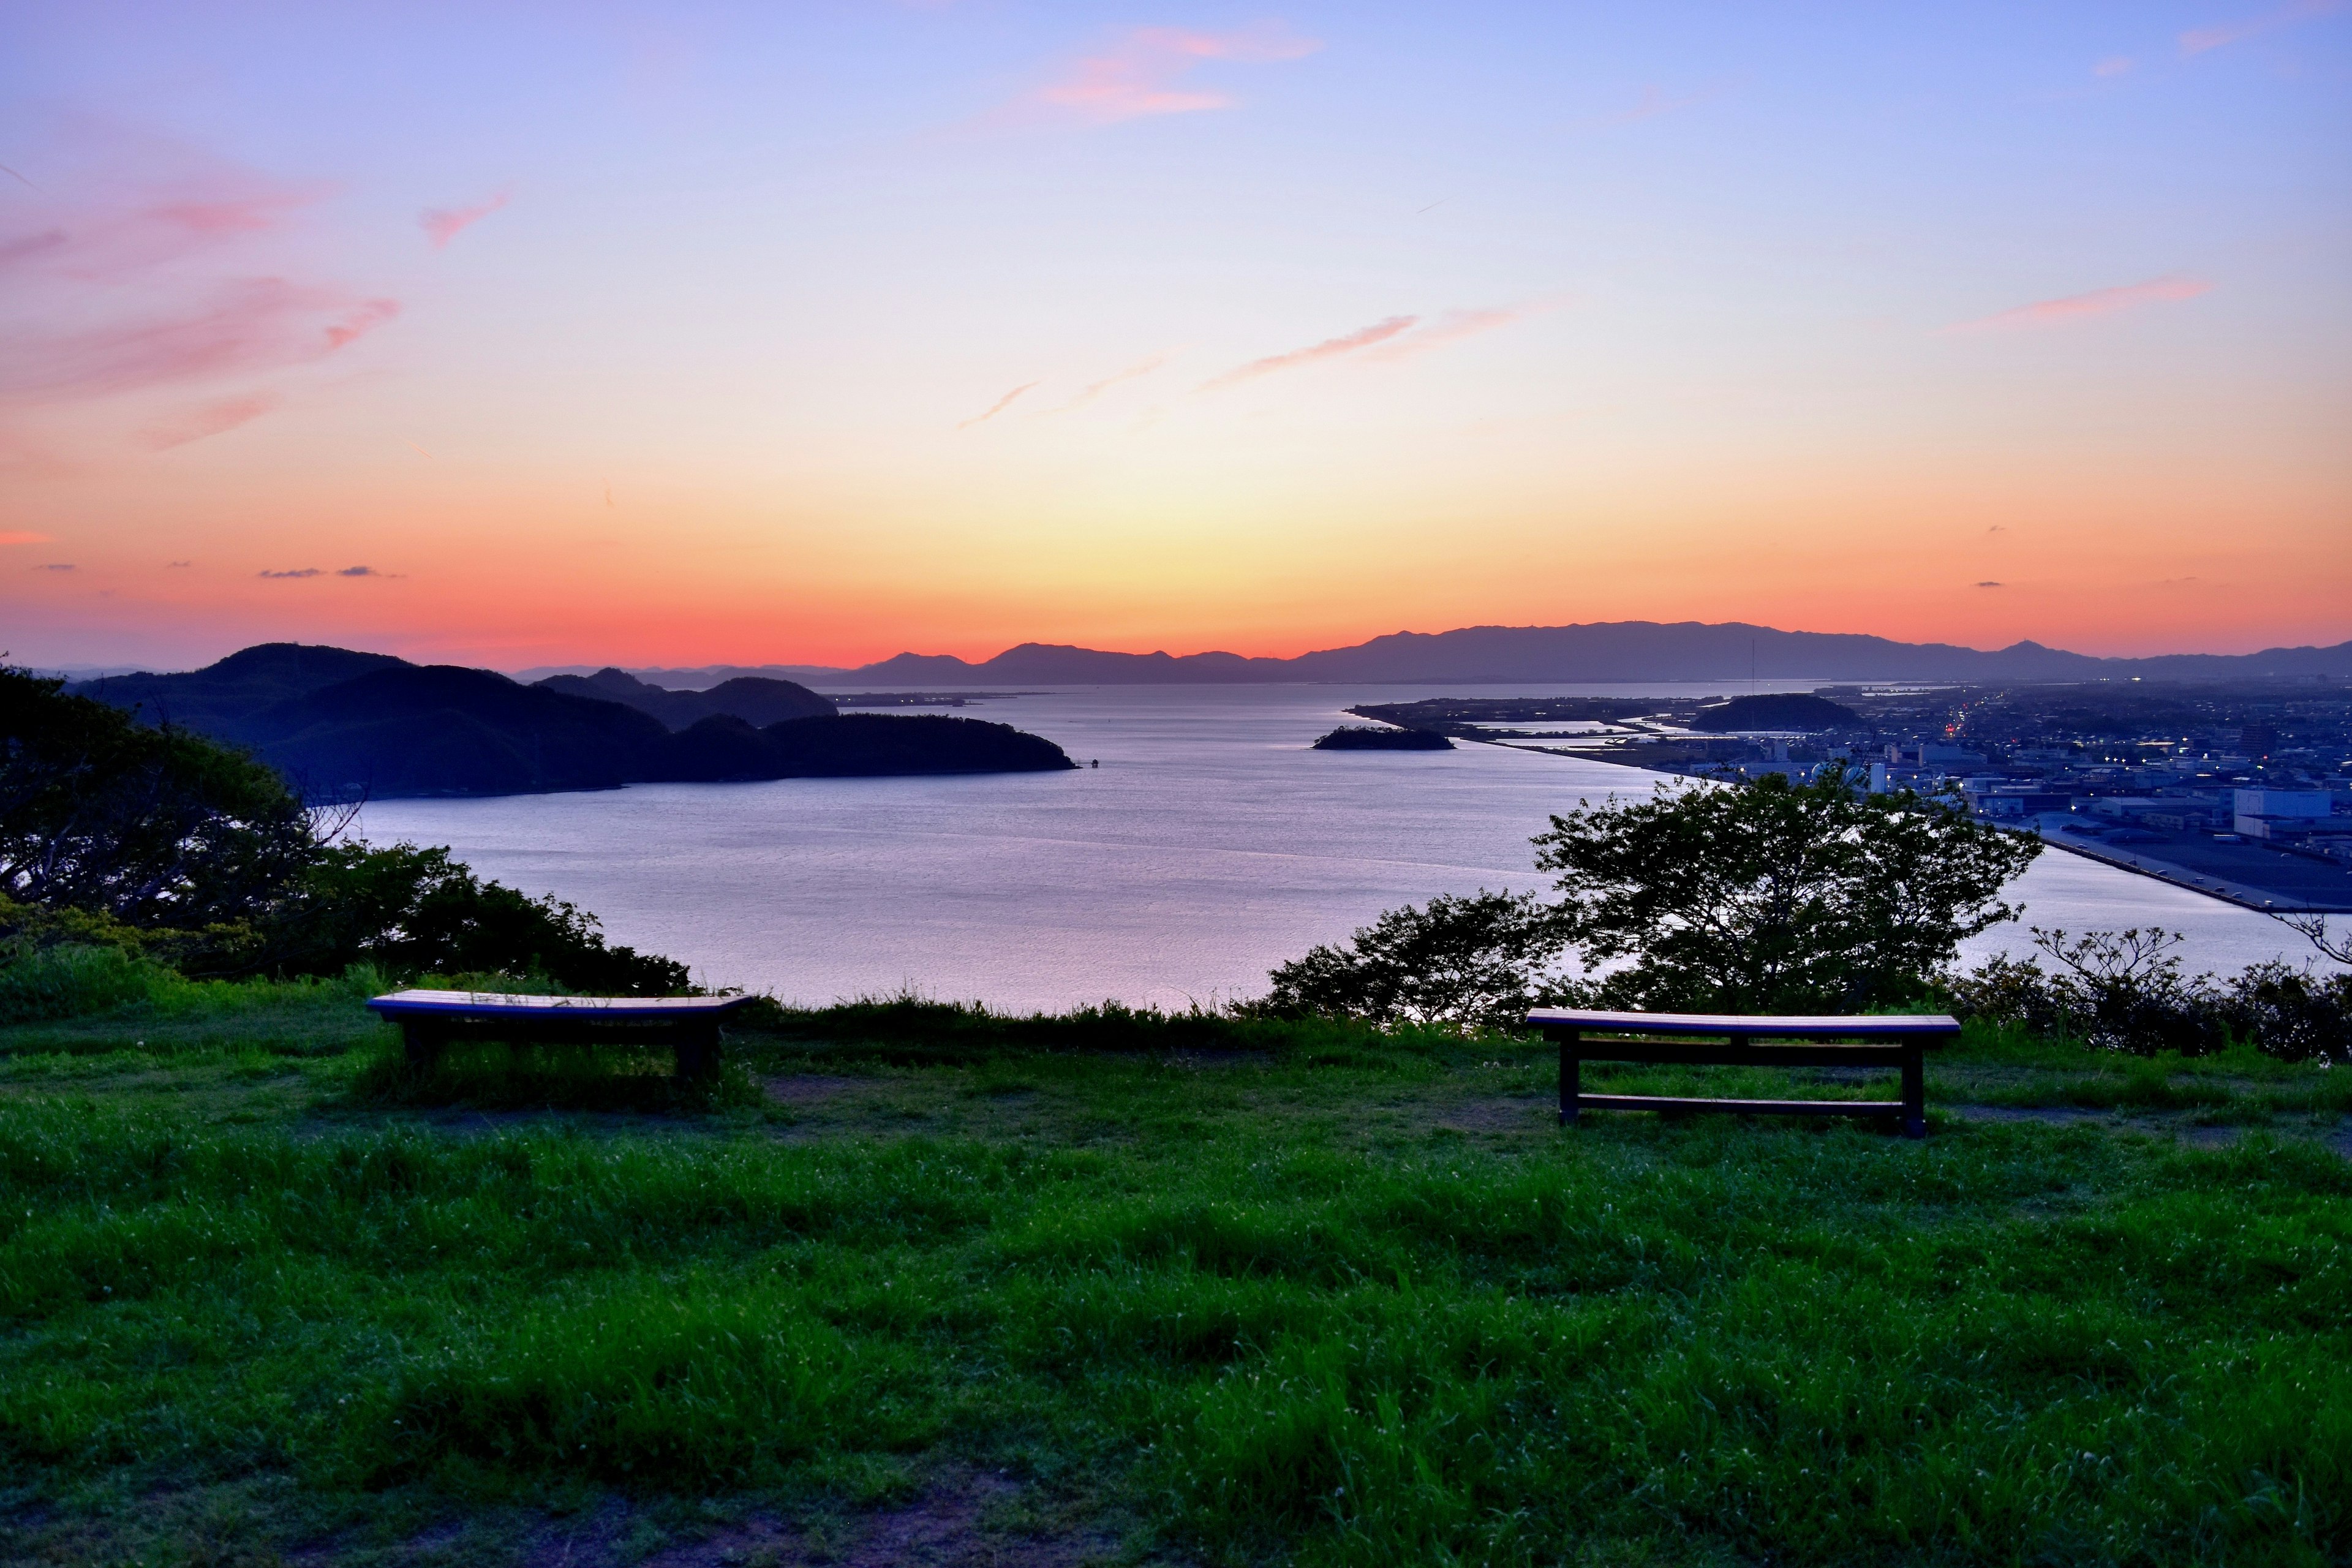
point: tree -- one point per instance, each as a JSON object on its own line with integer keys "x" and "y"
{"x": 1771, "y": 897}
{"x": 419, "y": 911}
{"x": 159, "y": 840}
{"x": 1484, "y": 959}
{"x": 153, "y": 826}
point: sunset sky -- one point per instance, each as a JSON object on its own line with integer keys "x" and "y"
{"x": 520, "y": 334}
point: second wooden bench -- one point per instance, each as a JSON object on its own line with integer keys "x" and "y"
{"x": 1729, "y": 1039}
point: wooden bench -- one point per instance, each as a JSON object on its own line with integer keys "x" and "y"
{"x": 1712, "y": 1040}
{"x": 430, "y": 1019}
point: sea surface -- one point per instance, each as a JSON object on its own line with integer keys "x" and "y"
{"x": 1208, "y": 846}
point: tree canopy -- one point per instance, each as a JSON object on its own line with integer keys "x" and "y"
{"x": 1750, "y": 898}
{"x": 201, "y": 857}
{"x": 1773, "y": 897}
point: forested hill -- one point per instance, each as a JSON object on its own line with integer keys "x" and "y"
{"x": 343, "y": 723}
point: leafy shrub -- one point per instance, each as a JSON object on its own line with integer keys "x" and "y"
{"x": 69, "y": 980}
{"x": 2292, "y": 1013}
{"x": 2124, "y": 991}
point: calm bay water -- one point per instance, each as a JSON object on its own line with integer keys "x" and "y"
{"x": 1210, "y": 845}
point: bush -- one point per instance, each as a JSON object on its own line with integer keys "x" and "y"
{"x": 67, "y": 981}
{"x": 2124, "y": 991}
{"x": 2292, "y": 1013}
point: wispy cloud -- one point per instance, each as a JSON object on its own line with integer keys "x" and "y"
{"x": 255, "y": 324}
{"x": 1141, "y": 368}
{"x": 2114, "y": 65}
{"x": 1988, "y": 584}
{"x": 1140, "y": 74}
{"x": 297, "y": 572}
{"x": 20, "y": 536}
{"x": 364, "y": 572}
{"x": 1379, "y": 331}
{"x": 2199, "y": 40}
{"x": 1455, "y": 326}
{"x": 209, "y": 419}
{"x": 1395, "y": 338}
{"x": 160, "y": 272}
{"x": 999, "y": 406}
{"x": 133, "y": 242}
{"x": 442, "y": 225}
{"x": 54, "y": 566}
{"x": 2097, "y": 303}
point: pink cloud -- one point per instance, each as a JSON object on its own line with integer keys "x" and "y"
{"x": 1137, "y": 76}
{"x": 1379, "y": 331}
{"x": 208, "y": 419}
{"x": 999, "y": 406}
{"x": 258, "y": 323}
{"x": 1455, "y": 326}
{"x": 2198, "y": 40}
{"x": 1144, "y": 367}
{"x": 2097, "y": 303}
{"x": 132, "y": 243}
{"x": 443, "y": 224}
{"x": 19, "y": 536}
{"x": 2114, "y": 65}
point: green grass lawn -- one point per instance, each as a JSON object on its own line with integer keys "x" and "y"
{"x": 1120, "y": 1288}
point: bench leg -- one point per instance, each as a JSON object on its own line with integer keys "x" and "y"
{"x": 1570, "y": 1079}
{"x": 422, "y": 1044}
{"x": 1915, "y": 1091}
{"x": 698, "y": 1054}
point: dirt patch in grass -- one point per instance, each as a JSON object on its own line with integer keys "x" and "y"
{"x": 963, "y": 1519}
{"x": 1487, "y": 1116}
{"x": 2048, "y": 1115}
{"x": 809, "y": 1088}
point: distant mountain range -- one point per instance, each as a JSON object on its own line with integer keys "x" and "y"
{"x": 341, "y": 723}
{"x": 1611, "y": 650}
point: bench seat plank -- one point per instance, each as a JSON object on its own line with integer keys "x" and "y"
{"x": 1860, "y": 1027}
{"x": 430, "y": 1019}
{"x": 500, "y": 1003}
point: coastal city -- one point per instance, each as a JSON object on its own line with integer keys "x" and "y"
{"x": 2242, "y": 791}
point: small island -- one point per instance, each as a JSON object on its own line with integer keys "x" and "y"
{"x": 1366, "y": 738}
{"x": 1776, "y": 710}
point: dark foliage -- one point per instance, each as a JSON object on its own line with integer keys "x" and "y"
{"x": 1769, "y": 897}
{"x": 1484, "y": 960}
{"x": 2124, "y": 991}
{"x": 153, "y": 826}
{"x": 417, "y": 911}
{"x": 160, "y": 844}
{"x": 1366, "y": 738}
